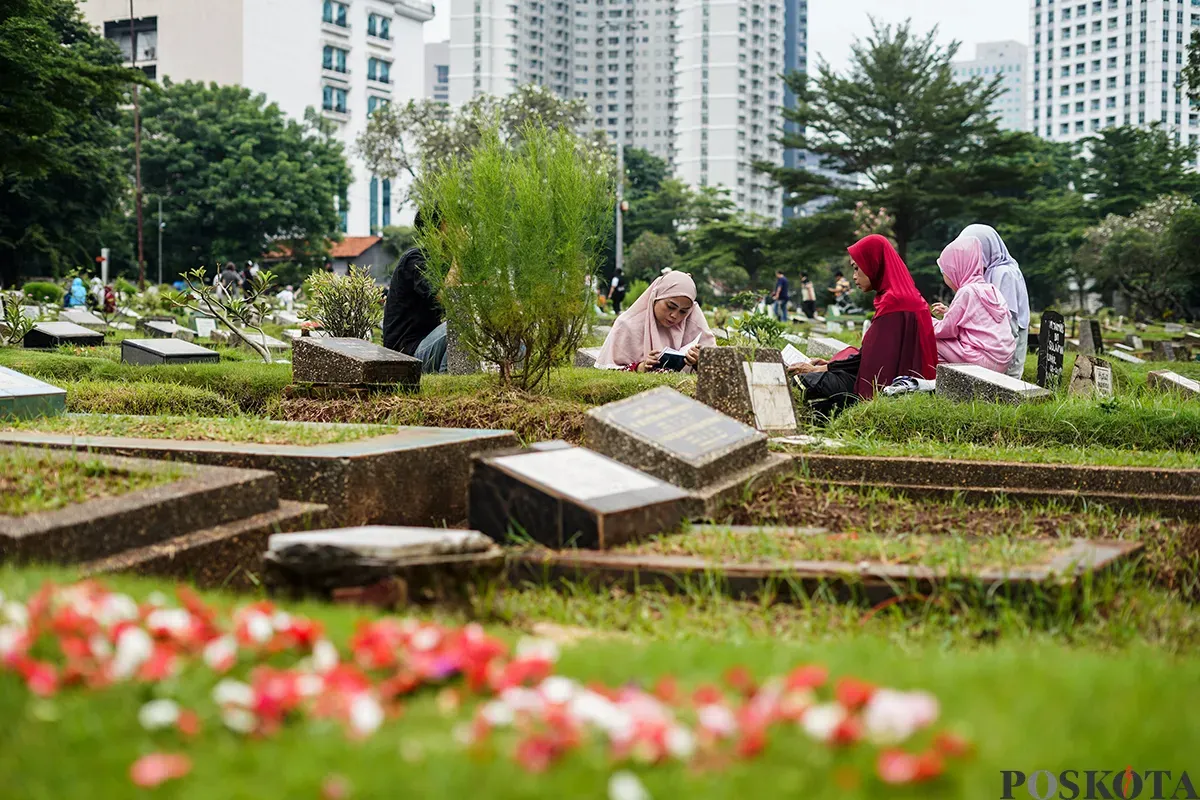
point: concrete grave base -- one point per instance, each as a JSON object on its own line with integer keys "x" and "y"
{"x": 968, "y": 382}
{"x": 48, "y": 335}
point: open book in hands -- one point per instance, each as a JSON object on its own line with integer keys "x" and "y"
{"x": 792, "y": 357}
{"x": 675, "y": 360}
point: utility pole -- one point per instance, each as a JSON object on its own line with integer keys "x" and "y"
{"x": 137, "y": 156}
{"x": 160, "y": 230}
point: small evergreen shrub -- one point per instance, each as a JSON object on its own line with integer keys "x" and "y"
{"x": 43, "y": 292}
{"x": 346, "y": 306}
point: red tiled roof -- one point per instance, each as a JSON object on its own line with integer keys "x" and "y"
{"x": 354, "y": 246}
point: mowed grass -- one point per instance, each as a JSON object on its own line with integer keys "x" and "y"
{"x": 1030, "y": 703}
{"x": 232, "y": 429}
{"x": 33, "y": 481}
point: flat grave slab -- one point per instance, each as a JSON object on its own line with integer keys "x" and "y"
{"x": 1128, "y": 358}
{"x": 83, "y": 318}
{"x": 569, "y": 497}
{"x": 1052, "y": 342}
{"x": 200, "y": 496}
{"x": 344, "y": 361}
{"x": 586, "y": 356}
{"x": 287, "y": 318}
{"x": 824, "y": 347}
{"x": 270, "y": 342}
{"x": 1168, "y": 381}
{"x": 969, "y": 382}
{"x": 23, "y": 397}
{"x": 163, "y": 329}
{"x": 1091, "y": 376}
{"x": 47, "y": 335}
{"x": 749, "y": 385}
{"x": 152, "y": 352}
{"x": 415, "y": 476}
{"x": 1173, "y": 327}
{"x": 322, "y": 561}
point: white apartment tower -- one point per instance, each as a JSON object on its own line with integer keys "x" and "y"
{"x": 343, "y": 57}
{"x": 437, "y": 71}
{"x": 1006, "y": 60}
{"x": 695, "y": 82}
{"x": 1103, "y": 63}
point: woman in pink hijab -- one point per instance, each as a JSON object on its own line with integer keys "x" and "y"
{"x": 664, "y": 317}
{"x": 975, "y": 328}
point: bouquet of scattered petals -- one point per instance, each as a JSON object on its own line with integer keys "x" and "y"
{"x": 84, "y": 635}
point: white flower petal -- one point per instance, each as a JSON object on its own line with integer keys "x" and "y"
{"x": 233, "y": 693}
{"x": 366, "y": 714}
{"x": 158, "y": 714}
{"x": 626, "y": 786}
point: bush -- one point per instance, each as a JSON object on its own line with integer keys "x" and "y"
{"x": 43, "y": 292}
{"x": 524, "y": 226}
{"x": 636, "y": 290}
{"x": 107, "y": 397}
{"x": 349, "y": 306}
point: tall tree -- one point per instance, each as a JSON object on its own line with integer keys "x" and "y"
{"x": 62, "y": 179}
{"x": 901, "y": 133}
{"x": 1130, "y": 167}
{"x": 1191, "y": 72}
{"x": 236, "y": 176}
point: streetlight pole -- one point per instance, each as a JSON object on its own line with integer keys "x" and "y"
{"x": 137, "y": 155}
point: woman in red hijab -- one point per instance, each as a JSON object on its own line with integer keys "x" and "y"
{"x": 900, "y": 341}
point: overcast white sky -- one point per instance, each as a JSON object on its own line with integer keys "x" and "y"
{"x": 833, "y": 24}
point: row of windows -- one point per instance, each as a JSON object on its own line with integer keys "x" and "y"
{"x": 1065, "y": 128}
{"x": 377, "y": 69}
{"x": 381, "y": 195}
{"x": 334, "y": 13}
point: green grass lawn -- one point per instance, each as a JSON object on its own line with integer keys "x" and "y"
{"x": 232, "y": 429}
{"x": 1037, "y": 701}
{"x": 33, "y": 481}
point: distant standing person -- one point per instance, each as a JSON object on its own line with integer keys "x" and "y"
{"x": 229, "y": 279}
{"x": 617, "y": 290}
{"x": 780, "y": 296}
{"x": 412, "y": 315}
{"x": 808, "y": 297}
{"x": 1002, "y": 271}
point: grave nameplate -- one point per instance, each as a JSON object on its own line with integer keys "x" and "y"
{"x": 1091, "y": 342}
{"x": 569, "y": 497}
{"x": 1051, "y": 345}
{"x": 1121, "y": 355}
{"x": 83, "y": 318}
{"x": 724, "y": 381}
{"x": 1135, "y": 342}
{"x": 771, "y": 397}
{"x": 674, "y": 438}
{"x": 824, "y": 347}
{"x": 354, "y": 362}
{"x": 970, "y": 382}
{"x": 150, "y": 352}
{"x": 586, "y": 356}
{"x": 1162, "y": 351}
{"x": 23, "y": 397}
{"x": 1091, "y": 375}
{"x": 46, "y": 335}
{"x": 205, "y": 326}
{"x": 1167, "y": 381}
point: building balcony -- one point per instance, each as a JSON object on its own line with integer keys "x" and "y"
{"x": 335, "y": 114}
{"x": 414, "y": 9}
{"x": 335, "y": 76}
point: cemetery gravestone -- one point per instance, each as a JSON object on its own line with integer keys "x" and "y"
{"x": 1123, "y": 346}
{"x": 1167, "y": 381}
{"x": 83, "y": 318}
{"x": 1128, "y": 358}
{"x": 586, "y": 356}
{"x": 23, "y": 397}
{"x": 1163, "y": 351}
{"x": 151, "y": 352}
{"x": 1091, "y": 342}
{"x": 1135, "y": 342}
{"x": 165, "y": 329}
{"x": 1173, "y": 327}
{"x": 970, "y": 382}
{"x": 345, "y": 361}
{"x": 459, "y": 361}
{"x": 286, "y": 318}
{"x": 1090, "y": 376}
{"x": 205, "y": 326}
{"x": 674, "y": 438}
{"x": 46, "y": 335}
{"x": 270, "y": 342}
{"x": 1051, "y": 345}
{"x": 770, "y": 396}
{"x": 748, "y": 385}
{"x": 569, "y": 497}
{"x": 824, "y": 347}
{"x": 833, "y": 327}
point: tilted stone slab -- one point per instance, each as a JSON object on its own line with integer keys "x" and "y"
{"x": 824, "y": 347}
{"x": 153, "y": 352}
{"x": 415, "y": 476}
{"x": 969, "y": 382}
{"x": 23, "y": 397}
{"x": 1091, "y": 339}
{"x": 47, "y": 335}
{"x": 569, "y": 497}
{"x": 1128, "y": 358}
{"x": 586, "y": 356}
{"x": 82, "y": 318}
{"x": 353, "y": 362}
{"x": 166, "y": 329}
{"x": 270, "y": 342}
{"x": 1168, "y": 381}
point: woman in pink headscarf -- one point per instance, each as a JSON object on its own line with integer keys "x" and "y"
{"x": 975, "y": 328}
{"x": 664, "y": 317}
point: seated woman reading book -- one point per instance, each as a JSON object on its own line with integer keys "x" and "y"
{"x": 664, "y": 329}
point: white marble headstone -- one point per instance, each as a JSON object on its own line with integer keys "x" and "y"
{"x": 770, "y": 396}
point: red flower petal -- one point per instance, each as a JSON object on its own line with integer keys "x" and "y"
{"x": 156, "y": 768}
{"x": 951, "y": 745}
{"x": 852, "y": 693}
{"x": 809, "y": 676}
{"x": 896, "y": 767}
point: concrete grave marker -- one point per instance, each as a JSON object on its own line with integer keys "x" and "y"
{"x": 1163, "y": 351}
{"x": 824, "y": 347}
{"x": 286, "y": 318}
{"x": 771, "y": 397}
{"x": 833, "y": 327}
{"x": 150, "y": 352}
{"x": 356, "y": 362}
{"x": 799, "y": 341}
{"x": 1167, "y": 381}
{"x": 1091, "y": 342}
{"x": 1121, "y": 355}
{"x": 586, "y": 356}
{"x": 23, "y": 397}
{"x": 1123, "y": 346}
{"x": 569, "y": 497}
{"x": 46, "y": 335}
{"x": 458, "y": 360}
{"x": 1135, "y": 342}
{"x": 748, "y": 385}
{"x": 83, "y": 318}
{"x": 970, "y": 382}
{"x": 205, "y": 326}
{"x": 1052, "y": 342}
{"x": 1173, "y": 327}
{"x": 272, "y": 344}
{"x": 1091, "y": 375}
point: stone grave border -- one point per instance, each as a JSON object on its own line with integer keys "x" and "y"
{"x": 203, "y": 495}
{"x": 369, "y": 481}
{"x": 796, "y": 581}
{"x": 1170, "y": 492}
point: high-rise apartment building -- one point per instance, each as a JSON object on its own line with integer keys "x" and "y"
{"x": 437, "y": 71}
{"x": 1103, "y": 63}
{"x": 1006, "y": 60}
{"x": 343, "y": 57}
{"x": 695, "y": 82}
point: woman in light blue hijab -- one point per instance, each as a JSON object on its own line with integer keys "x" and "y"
{"x": 1002, "y": 271}
{"x": 78, "y": 296}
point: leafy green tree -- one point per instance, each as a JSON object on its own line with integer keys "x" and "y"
{"x": 649, "y": 256}
{"x": 237, "y": 177}
{"x": 1129, "y": 167}
{"x": 62, "y": 180}
{"x": 726, "y": 255}
{"x": 925, "y": 145}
